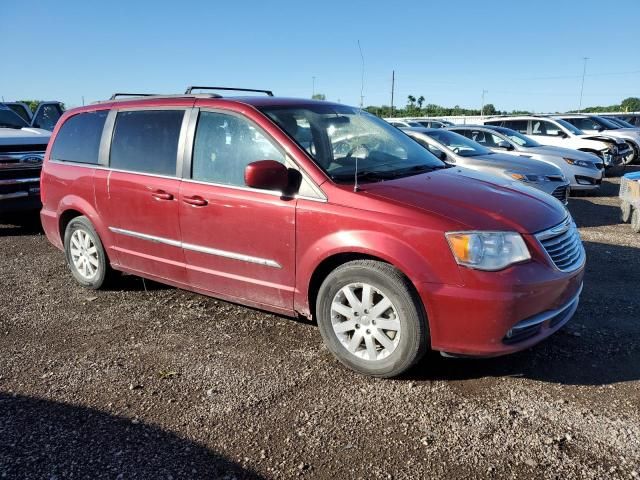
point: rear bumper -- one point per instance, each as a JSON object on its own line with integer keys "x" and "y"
{"x": 500, "y": 312}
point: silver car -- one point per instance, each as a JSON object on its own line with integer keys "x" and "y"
{"x": 584, "y": 170}
{"x": 458, "y": 150}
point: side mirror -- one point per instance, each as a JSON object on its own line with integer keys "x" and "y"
{"x": 561, "y": 134}
{"x": 440, "y": 154}
{"x": 267, "y": 175}
{"x": 505, "y": 145}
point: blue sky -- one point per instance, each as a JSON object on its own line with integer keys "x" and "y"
{"x": 526, "y": 54}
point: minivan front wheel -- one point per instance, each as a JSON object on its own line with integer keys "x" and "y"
{"x": 85, "y": 254}
{"x": 371, "y": 319}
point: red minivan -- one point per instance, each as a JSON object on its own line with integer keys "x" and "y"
{"x": 311, "y": 208}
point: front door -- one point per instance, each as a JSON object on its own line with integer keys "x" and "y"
{"x": 238, "y": 242}
{"x": 142, "y": 192}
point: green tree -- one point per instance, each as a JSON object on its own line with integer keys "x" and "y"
{"x": 319, "y": 96}
{"x": 421, "y": 100}
{"x": 489, "y": 109}
{"x": 631, "y": 104}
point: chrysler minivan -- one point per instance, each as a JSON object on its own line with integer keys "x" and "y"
{"x": 315, "y": 209}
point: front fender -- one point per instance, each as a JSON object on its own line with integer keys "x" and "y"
{"x": 434, "y": 264}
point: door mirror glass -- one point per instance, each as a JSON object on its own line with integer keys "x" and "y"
{"x": 503, "y": 144}
{"x": 267, "y": 175}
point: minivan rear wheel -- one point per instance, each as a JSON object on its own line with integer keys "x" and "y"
{"x": 85, "y": 254}
{"x": 371, "y": 319}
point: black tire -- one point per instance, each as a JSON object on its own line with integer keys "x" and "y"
{"x": 103, "y": 272}
{"x": 635, "y": 220}
{"x": 413, "y": 337}
{"x": 625, "y": 212}
{"x": 631, "y": 158}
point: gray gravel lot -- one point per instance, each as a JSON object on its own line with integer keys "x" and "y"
{"x": 146, "y": 381}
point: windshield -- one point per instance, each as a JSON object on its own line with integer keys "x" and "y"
{"x": 572, "y": 128}
{"x": 10, "y": 119}
{"x": 622, "y": 123}
{"x": 458, "y": 144}
{"x": 606, "y": 123}
{"x": 337, "y": 137}
{"x": 517, "y": 137}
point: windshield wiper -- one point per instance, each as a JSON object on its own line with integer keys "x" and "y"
{"x": 364, "y": 175}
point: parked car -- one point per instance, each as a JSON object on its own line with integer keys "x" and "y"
{"x": 45, "y": 116}
{"x": 630, "y": 200}
{"x": 458, "y": 150}
{"x": 620, "y": 122}
{"x": 597, "y": 124}
{"x": 21, "y": 152}
{"x": 246, "y": 199}
{"x": 632, "y": 118}
{"x": 552, "y": 131}
{"x": 432, "y": 123}
{"x": 402, "y": 123}
{"x": 584, "y": 170}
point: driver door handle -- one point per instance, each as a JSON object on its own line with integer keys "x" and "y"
{"x": 196, "y": 201}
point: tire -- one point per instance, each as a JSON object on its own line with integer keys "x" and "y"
{"x": 625, "y": 212}
{"x": 633, "y": 157}
{"x": 85, "y": 254}
{"x": 360, "y": 342}
{"x": 635, "y": 220}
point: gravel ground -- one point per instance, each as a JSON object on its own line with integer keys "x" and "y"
{"x": 146, "y": 381}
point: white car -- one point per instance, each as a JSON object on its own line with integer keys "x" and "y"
{"x": 401, "y": 122}
{"x": 557, "y": 132}
{"x": 583, "y": 170}
{"x": 597, "y": 124}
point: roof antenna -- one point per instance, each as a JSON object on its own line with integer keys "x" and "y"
{"x": 355, "y": 180}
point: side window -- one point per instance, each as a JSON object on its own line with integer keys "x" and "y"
{"x": 146, "y": 141}
{"x": 517, "y": 125}
{"x": 47, "y": 116}
{"x": 21, "y": 110}
{"x": 466, "y": 133}
{"x": 583, "y": 123}
{"x": 544, "y": 128}
{"x": 78, "y": 140}
{"x": 224, "y": 145}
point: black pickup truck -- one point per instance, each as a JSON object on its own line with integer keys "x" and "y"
{"x": 23, "y": 142}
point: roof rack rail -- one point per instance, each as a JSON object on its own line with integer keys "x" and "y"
{"x": 194, "y": 87}
{"x": 116, "y": 95}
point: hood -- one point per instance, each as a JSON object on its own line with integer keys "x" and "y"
{"x": 502, "y": 161}
{"x": 24, "y": 136}
{"x": 602, "y": 138}
{"x": 563, "y": 152}
{"x": 474, "y": 200}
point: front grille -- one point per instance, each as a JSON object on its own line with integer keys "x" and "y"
{"x": 563, "y": 245}
{"x": 560, "y": 193}
{"x": 27, "y": 147}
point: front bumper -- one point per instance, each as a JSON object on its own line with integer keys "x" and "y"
{"x": 475, "y": 319}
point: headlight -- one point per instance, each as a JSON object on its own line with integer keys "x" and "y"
{"x": 579, "y": 163}
{"x": 487, "y": 250}
{"x": 528, "y": 177}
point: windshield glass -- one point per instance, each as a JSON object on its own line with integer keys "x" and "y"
{"x": 517, "y": 137}
{"x": 622, "y": 123}
{"x": 10, "y": 119}
{"x": 337, "y": 137}
{"x": 572, "y": 128}
{"x": 458, "y": 144}
{"x": 606, "y": 123}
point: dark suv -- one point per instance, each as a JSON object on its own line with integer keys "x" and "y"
{"x": 311, "y": 208}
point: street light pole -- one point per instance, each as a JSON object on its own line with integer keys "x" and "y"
{"x": 584, "y": 72}
{"x": 313, "y": 86}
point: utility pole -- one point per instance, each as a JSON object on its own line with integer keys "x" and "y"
{"x": 313, "y": 86}
{"x": 83, "y": 100}
{"x": 584, "y": 72}
{"x": 482, "y": 108}
{"x": 393, "y": 82}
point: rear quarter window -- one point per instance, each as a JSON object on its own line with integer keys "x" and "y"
{"x": 78, "y": 139}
